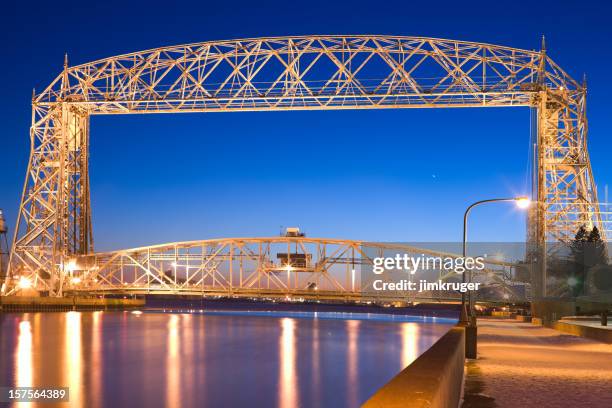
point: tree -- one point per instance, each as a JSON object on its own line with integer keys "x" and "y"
{"x": 581, "y": 235}
{"x": 578, "y": 266}
{"x": 594, "y": 235}
{"x": 588, "y": 251}
{"x": 595, "y": 251}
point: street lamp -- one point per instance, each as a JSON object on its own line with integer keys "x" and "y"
{"x": 469, "y": 319}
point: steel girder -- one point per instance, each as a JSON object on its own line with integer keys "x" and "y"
{"x": 315, "y": 268}
{"x": 292, "y": 73}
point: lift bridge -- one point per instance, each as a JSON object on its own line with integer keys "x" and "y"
{"x": 284, "y": 267}
{"x": 53, "y": 247}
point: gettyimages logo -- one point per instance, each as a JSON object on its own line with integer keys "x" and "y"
{"x": 412, "y": 264}
{"x": 408, "y": 265}
{"x": 436, "y": 270}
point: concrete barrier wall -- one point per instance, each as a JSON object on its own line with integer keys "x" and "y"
{"x": 595, "y": 333}
{"x": 434, "y": 380}
{"x": 502, "y": 313}
{"x": 552, "y": 310}
{"x": 599, "y": 334}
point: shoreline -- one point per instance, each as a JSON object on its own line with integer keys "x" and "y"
{"x": 10, "y": 304}
{"x": 48, "y": 304}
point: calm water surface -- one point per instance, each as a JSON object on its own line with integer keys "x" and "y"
{"x": 212, "y": 359}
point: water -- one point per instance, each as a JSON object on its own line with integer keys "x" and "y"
{"x": 212, "y": 359}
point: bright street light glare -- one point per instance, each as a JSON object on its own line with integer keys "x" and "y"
{"x": 523, "y": 202}
{"x": 71, "y": 266}
{"x": 24, "y": 283}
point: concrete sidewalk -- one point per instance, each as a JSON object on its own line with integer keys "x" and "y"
{"x": 522, "y": 365}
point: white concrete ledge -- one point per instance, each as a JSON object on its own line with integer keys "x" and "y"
{"x": 434, "y": 380}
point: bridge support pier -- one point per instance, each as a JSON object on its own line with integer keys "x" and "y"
{"x": 54, "y": 220}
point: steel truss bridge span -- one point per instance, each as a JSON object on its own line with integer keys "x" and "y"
{"x": 277, "y": 267}
{"x": 293, "y": 73}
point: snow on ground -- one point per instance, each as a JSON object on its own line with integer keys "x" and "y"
{"x": 522, "y": 365}
{"x": 588, "y": 323}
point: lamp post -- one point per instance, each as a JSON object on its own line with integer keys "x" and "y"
{"x": 468, "y": 318}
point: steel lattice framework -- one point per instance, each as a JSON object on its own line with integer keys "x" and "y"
{"x": 273, "y": 267}
{"x": 293, "y": 73}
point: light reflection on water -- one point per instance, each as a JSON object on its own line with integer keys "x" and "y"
{"x": 23, "y": 357}
{"x": 116, "y": 359}
{"x": 72, "y": 349}
{"x": 287, "y": 392}
{"x": 173, "y": 363}
{"x": 410, "y": 344}
{"x": 352, "y": 379}
{"x": 96, "y": 358}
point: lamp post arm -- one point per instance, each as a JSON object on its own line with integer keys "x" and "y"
{"x": 467, "y": 213}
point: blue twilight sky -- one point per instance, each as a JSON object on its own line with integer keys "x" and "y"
{"x": 392, "y": 175}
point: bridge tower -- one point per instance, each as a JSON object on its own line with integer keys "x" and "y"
{"x": 55, "y": 215}
{"x": 564, "y": 189}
